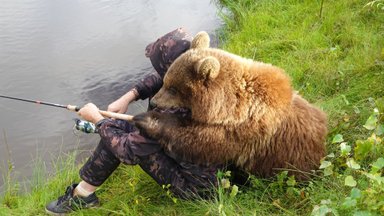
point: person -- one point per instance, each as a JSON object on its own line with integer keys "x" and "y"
{"x": 121, "y": 142}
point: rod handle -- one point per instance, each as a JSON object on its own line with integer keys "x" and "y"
{"x": 73, "y": 108}
{"x": 105, "y": 113}
{"x": 116, "y": 115}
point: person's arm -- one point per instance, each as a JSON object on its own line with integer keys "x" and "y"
{"x": 145, "y": 88}
{"x": 149, "y": 86}
{"x": 121, "y": 105}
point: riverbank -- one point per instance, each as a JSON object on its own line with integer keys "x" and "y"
{"x": 334, "y": 52}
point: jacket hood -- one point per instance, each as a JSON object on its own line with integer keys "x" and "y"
{"x": 167, "y": 48}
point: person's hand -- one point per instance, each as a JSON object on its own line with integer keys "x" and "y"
{"x": 90, "y": 113}
{"x": 121, "y": 104}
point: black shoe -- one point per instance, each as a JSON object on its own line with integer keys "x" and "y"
{"x": 68, "y": 203}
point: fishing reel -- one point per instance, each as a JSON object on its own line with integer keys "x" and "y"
{"x": 85, "y": 126}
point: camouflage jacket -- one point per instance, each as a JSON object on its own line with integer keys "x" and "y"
{"x": 162, "y": 53}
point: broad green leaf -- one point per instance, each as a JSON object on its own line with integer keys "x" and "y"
{"x": 380, "y": 130}
{"x": 326, "y": 202}
{"x": 220, "y": 174}
{"x": 325, "y": 164}
{"x": 372, "y": 101}
{"x": 174, "y": 199}
{"x": 323, "y": 211}
{"x": 349, "y": 202}
{"x": 328, "y": 170}
{"x": 351, "y": 163}
{"x": 338, "y": 138}
{"x": 362, "y": 213}
{"x": 349, "y": 181}
{"x": 363, "y": 147}
{"x": 375, "y": 177}
{"x": 374, "y": 139}
{"x": 227, "y": 173}
{"x": 355, "y": 193}
{"x": 281, "y": 176}
{"x": 234, "y": 191}
{"x": 371, "y": 122}
{"x": 225, "y": 183}
{"x": 356, "y": 109}
{"x": 345, "y": 149}
{"x": 380, "y": 103}
{"x": 221, "y": 211}
{"x": 378, "y": 164}
{"x": 291, "y": 181}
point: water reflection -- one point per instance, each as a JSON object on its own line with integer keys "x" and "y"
{"x": 74, "y": 52}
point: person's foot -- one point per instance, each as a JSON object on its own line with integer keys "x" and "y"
{"x": 68, "y": 203}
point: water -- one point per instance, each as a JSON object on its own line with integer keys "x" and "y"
{"x": 74, "y": 52}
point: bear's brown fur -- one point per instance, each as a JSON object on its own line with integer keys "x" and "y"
{"x": 242, "y": 111}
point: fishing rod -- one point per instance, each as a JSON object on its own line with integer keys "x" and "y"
{"x": 73, "y": 108}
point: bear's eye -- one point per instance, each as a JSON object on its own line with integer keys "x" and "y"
{"x": 172, "y": 90}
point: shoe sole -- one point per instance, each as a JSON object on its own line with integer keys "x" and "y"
{"x": 54, "y": 213}
{"x": 62, "y": 214}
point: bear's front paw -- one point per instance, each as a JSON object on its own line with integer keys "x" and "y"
{"x": 158, "y": 124}
{"x": 148, "y": 124}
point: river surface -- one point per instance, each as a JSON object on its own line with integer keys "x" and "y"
{"x": 74, "y": 52}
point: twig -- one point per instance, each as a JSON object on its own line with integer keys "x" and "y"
{"x": 7, "y": 147}
{"x": 276, "y": 204}
{"x": 321, "y": 8}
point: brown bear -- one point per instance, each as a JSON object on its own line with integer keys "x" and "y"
{"x": 241, "y": 112}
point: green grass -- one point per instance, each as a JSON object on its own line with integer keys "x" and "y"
{"x": 334, "y": 53}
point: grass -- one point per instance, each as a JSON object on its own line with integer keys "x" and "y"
{"x": 334, "y": 53}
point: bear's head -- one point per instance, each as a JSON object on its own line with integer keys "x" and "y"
{"x": 221, "y": 88}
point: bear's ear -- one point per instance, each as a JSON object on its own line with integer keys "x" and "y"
{"x": 201, "y": 40}
{"x": 208, "y": 67}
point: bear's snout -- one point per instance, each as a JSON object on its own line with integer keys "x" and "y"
{"x": 152, "y": 104}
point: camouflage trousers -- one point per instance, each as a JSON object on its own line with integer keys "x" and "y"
{"x": 121, "y": 143}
